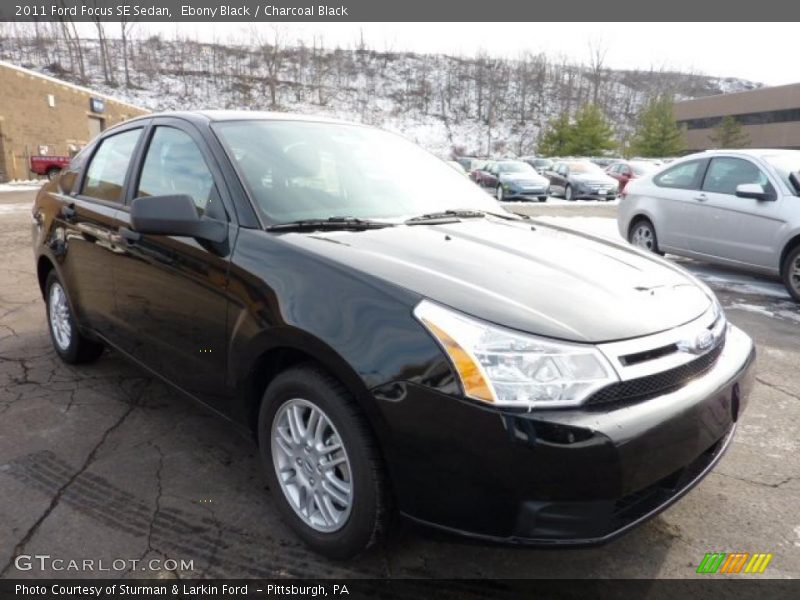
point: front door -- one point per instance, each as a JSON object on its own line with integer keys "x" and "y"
{"x": 172, "y": 290}
{"x": 741, "y": 230}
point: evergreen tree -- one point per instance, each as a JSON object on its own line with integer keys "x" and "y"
{"x": 590, "y": 134}
{"x": 555, "y": 138}
{"x": 657, "y": 133}
{"x": 729, "y": 134}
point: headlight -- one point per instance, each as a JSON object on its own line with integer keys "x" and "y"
{"x": 508, "y": 368}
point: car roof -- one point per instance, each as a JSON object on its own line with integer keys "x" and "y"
{"x": 240, "y": 115}
{"x": 752, "y": 152}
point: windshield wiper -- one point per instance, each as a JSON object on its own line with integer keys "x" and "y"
{"x": 453, "y": 216}
{"x": 331, "y": 223}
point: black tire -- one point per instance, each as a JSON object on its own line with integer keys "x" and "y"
{"x": 568, "y": 194}
{"x": 791, "y": 272}
{"x": 542, "y": 198}
{"x": 367, "y": 521}
{"x": 80, "y": 349}
{"x": 638, "y": 228}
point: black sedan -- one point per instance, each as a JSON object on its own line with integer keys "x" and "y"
{"x": 389, "y": 345}
{"x": 574, "y": 179}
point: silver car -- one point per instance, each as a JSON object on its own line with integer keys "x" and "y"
{"x": 739, "y": 208}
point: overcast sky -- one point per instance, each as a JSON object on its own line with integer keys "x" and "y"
{"x": 763, "y": 52}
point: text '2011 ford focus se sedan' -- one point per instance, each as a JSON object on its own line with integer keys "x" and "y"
{"x": 390, "y": 344}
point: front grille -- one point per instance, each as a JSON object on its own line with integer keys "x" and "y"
{"x": 643, "y": 388}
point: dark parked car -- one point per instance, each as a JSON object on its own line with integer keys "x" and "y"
{"x": 625, "y": 170}
{"x": 540, "y": 164}
{"x": 517, "y": 179}
{"x": 576, "y": 179}
{"x": 390, "y": 344}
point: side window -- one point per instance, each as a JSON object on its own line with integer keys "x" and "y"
{"x": 106, "y": 173}
{"x": 682, "y": 176}
{"x": 725, "y": 174}
{"x": 175, "y": 165}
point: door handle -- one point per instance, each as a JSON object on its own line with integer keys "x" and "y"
{"x": 701, "y": 198}
{"x": 68, "y": 212}
{"x": 129, "y": 235}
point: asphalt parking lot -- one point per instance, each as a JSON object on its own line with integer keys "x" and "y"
{"x": 104, "y": 462}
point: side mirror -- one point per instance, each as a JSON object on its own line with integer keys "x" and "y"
{"x": 174, "y": 215}
{"x": 752, "y": 190}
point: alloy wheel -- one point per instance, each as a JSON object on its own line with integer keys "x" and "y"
{"x": 794, "y": 274}
{"x": 312, "y": 465}
{"x": 500, "y": 193}
{"x": 643, "y": 237}
{"x": 60, "y": 323}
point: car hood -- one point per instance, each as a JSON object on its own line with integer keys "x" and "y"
{"x": 594, "y": 178}
{"x": 532, "y": 177}
{"x": 523, "y": 275}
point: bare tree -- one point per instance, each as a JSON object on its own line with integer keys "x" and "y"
{"x": 272, "y": 54}
{"x": 126, "y": 27}
{"x": 597, "y": 58}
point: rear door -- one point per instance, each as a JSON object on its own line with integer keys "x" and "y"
{"x": 730, "y": 228}
{"x": 90, "y": 216}
{"x": 172, "y": 290}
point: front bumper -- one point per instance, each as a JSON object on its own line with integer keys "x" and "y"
{"x": 561, "y": 477}
{"x": 526, "y": 193}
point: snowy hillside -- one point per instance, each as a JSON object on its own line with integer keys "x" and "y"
{"x": 475, "y": 105}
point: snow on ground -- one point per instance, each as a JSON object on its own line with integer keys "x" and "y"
{"x": 595, "y": 225}
{"x": 553, "y": 201}
{"x": 16, "y": 186}
{"x": 16, "y": 207}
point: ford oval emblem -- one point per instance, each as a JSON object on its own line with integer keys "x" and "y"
{"x": 703, "y": 341}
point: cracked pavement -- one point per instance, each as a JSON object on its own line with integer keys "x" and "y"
{"x": 104, "y": 462}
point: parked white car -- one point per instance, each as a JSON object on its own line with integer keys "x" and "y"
{"x": 739, "y": 208}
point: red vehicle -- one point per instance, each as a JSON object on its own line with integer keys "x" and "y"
{"x": 480, "y": 173}
{"x": 49, "y": 165}
{"x": 625, "y": 170}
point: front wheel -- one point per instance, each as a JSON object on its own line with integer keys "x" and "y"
{"x": 499, "y": 193}
{"x": 542, "y": 198}
{"x": 568, "y": 193}
{"x": 643, "y": 235}
{"x": 791, "y": 273}
{"x": 70, "y": 344}
{"x": 322, "y": 462}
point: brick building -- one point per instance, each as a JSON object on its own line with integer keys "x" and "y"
{"x": 769, "y": 116}
{"x": 41, "y": 115}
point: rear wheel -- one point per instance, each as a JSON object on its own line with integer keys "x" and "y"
{"x": 72, "y": 346}
{"x": 322, "y": 462}
{"x": 643, "y": 235}
{"x": 791, "y": 272}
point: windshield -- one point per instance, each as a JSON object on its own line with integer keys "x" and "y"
{"x": 514, "y": 167}
{"x": 786, "y": 165}
{"x": 542, "y": 162}
{"x": 584, "y": 167}
{"x": 303, "y": 170}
